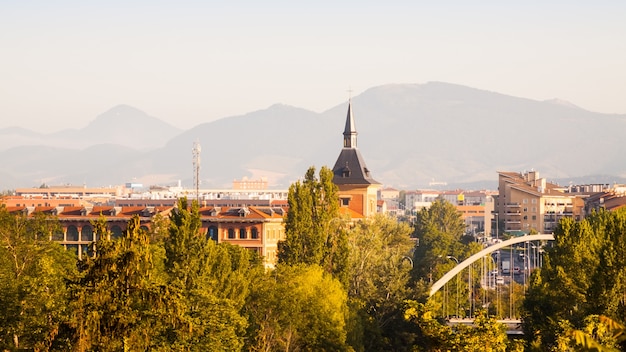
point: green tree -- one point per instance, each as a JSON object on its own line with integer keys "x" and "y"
{"x": 119, "y": 303}
{"x": 297, "y": 308}
{"x": 209, "y": 283}
{"x": 380, "y": 265}
{"x": 313, "y": 231}
{"x": 439, "y": 229}
{"x": 600, "y": 333}
{"x": 485, "y": 335}
{"x": 33, "y": 272}
{"x": 584, "y": 274}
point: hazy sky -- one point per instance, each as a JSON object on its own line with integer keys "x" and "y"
{"x": 62, "y": 63}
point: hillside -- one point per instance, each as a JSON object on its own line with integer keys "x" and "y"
{"x": 409, "y": 135}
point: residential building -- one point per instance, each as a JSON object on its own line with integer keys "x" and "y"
{"x": 256, "y": 228}
{"x": 527, "y": 202}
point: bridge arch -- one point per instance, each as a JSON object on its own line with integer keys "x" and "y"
{"x": 464, "y": 264}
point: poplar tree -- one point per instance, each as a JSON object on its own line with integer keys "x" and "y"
{"x": 314, "y": 231}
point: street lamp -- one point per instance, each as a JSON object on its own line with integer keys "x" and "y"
{"x": 457, "y": 285}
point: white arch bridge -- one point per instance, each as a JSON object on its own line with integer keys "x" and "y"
{"x": 467, "y": 262}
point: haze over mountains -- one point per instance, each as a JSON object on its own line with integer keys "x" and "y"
{"x": 409, "y": 135}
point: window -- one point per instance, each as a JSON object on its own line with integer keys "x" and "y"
{"x": 534, "y": 217}
{"x": 345, "y": 202}
{"x": 242, "y": 233}
{"x": 72, "y": 233}
{"x": 525, "y": 201}
{"x": 231, "y": 233}
{"x": 87, "y": 233}
{"x": 116, "y": 232}
{"x": 254, "y": 233}
{"x": 212, "y": 233}
{"x": 534, "y": 201}
{"x": 58, "y": 236}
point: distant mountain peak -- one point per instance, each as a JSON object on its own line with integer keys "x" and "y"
{"x": 562, "y": 102}
{"x": 123, "y": 110}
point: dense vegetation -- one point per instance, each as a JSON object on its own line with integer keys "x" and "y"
{"x": 338, "y": 286}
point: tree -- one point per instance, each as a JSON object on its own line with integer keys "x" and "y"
{"x": 380, "y": 264}
{"x": 439, "y": 229}
{"x": 584, "y": 274}
{"x": 210, "y": 283}
{"x": 486, "y": 334}
{"x": 33, "y": 272}
{"x": 119, "y": 303}
{"x": 297, "y": 308}
{"x": 312, "y": 234}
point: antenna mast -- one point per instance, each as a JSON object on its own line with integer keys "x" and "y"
{"x": 196, "y": 168}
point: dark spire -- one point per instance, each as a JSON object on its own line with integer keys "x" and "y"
{"x": 349, "y": 133}
{"x": 350, "y": 167}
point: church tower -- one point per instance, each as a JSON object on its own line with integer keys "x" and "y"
{"x": 357, "y": 189}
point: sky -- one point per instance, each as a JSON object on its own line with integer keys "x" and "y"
{"x": 62, "y": 63}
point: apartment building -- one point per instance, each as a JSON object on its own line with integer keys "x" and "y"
{"x": 527, "y": 202}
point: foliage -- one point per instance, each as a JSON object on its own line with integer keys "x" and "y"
{"x": 312, "y": 234}
{"x": 584, "y": 274}
{"x": 379, "y": 264}
{"x": 486, "y": 334}
{"x": 118, "y": 304}
{"x": 33, "y": 272}
{"x": 439, "y": 230}
{"x": 297, "y": 308}
{"x": 209, "y": 284}
{"x": 601, "y": 333}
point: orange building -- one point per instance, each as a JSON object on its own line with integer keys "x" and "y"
{"x": 358, "y": 191}
{"x": 255, "y": 228}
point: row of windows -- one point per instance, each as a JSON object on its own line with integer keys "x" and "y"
{"x": 86, "y": 234}
{"x": 243, "y": 234}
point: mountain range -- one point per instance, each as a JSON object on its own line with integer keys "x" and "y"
{"x": 410, "y": 135}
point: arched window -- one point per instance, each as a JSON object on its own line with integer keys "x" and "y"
{"x": 72, "y": 233}
{"x": 58, "y": 235}
{"x": 231, "y": 233}
{"x": 116, "y": 232}
{"x": 87, "y": 233}
{"x": 254, "y": 233}
{"x": 211, "y": 233}
{"x": 242, "y": 233}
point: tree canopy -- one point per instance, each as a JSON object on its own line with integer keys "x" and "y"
{"x": 314, "y": 233}
{"x": 584, "y": 274}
